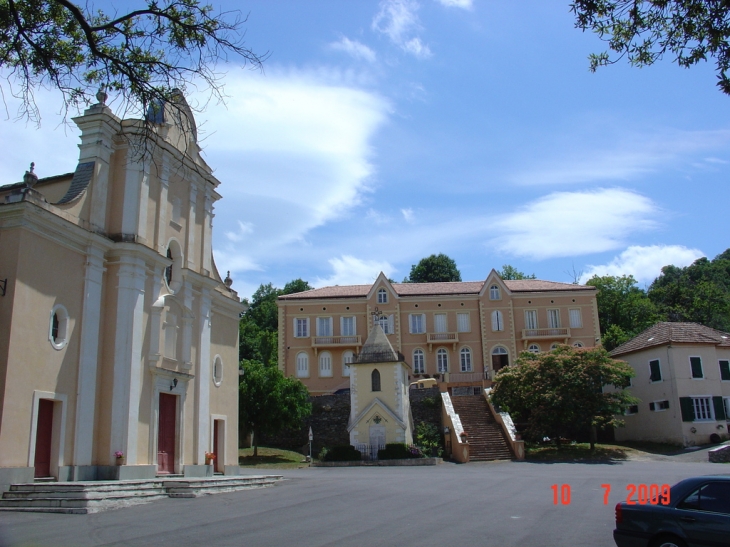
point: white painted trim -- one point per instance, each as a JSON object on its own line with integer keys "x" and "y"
{"x": 217, "y": 381}
{"x": 88, "y": 358}
{"x": 64, "y": 330}
{"x": 58, "y": 442}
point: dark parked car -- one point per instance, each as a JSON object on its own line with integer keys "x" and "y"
{"x": 697, "y": 513}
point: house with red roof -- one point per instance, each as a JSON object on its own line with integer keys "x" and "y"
{"x": 460, "y": 333}
{"x": 683, "y": 382}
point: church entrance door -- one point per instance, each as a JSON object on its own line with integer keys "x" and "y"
{"x": 166, "y": 434}
{"x": 43, "y": 438}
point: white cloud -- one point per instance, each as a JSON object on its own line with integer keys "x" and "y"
{"x": 635, "y": 155}
{"x": 398, "y": 20}
{"x": 354, "y": 49}
{"x": 574, "y": 223}
{"x": 408, "y": 215}
{"x": 645, "y": 263}
{"x": 349, "y": 270}
{"x": 293, "y": 152}
{"x": 464, "y": 4}
{"x": 377, "y": 217}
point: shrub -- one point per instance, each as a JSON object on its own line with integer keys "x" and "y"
{"x": 399, "y": 451}
{"x": 429, "y": 402}
{"x": 342, "y": 453}
{"x": 428, "y": 437}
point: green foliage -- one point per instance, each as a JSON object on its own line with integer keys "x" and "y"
{"x": 510, "y": 272}
{"x": 399, "y": 451}
{"x": 430, "y": 402}
{"x": 699, "y": 293}
{"x": 343, "y": 453}
{"x": 562, "y": 389}
{"x": 258, "y": 329}
{"x": 269, "y": 402}
{"x": 690, "y": 31}
{"x": 433, "y": 269}
{"x": 427, "y": 437}
{"x": 144, "y": 56}
{"x": 624, "y": 310}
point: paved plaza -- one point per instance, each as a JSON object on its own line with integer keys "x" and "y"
{"x": 499, "y": 504}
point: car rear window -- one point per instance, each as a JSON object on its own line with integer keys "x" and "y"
{"x": 713, "y": 497}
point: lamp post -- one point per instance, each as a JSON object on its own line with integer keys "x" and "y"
{"x": 311, "y": 438}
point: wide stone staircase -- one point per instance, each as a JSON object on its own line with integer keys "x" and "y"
{"x": 486, "y": 439}
{"x": 96, "y": 496}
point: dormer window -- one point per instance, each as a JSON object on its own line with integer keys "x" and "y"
{"x": 494, "y": 293}
{"x": 382, "y": 296}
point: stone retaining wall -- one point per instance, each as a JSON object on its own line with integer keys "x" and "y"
{"x": 331, "y": 414}
{"x": 720, "y": 454}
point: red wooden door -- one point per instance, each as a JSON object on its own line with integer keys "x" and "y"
{"x": 166, "y": 434}
{"x": 216, "y": 465}
{"x": 43, "y": 438}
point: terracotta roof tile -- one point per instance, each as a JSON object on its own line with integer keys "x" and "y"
{"x": 434, "y": 289}
{"x": 666, "y": 333}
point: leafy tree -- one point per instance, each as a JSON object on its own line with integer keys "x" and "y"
{"x": 624, "y": 309}
{"x": 699, "y": 293}
{"x": 690, "y": 31}
{"x": 269, "y": 402}
{"x": 143, "y": 56}
{"x": 258, "y": 338}
{"x": 562, "y": 391}
{"x": 298, "y": 285}
{"x": 433, "y": 269}
{"x": 510, "y": 272}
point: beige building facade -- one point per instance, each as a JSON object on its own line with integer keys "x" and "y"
{"x": 118, "y": 336}
{"x": 683, "y": 383}
{"x": 459, "y": 333}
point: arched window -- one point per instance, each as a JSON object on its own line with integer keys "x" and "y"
{"x": 217, "y": 371}
{"x": 58, "y": 327}
{"x": 302, "y": 365}
{"x": 533, "y": 348}
{"x": 500, "y": 358}
{"x": 347, "y": 358}
{"x": 553, "y": 346}
{"x": 465, "y": 357}
{"x": 442, "y": 360}
{"x": 497, "y": 321}
{"x": 419, "y": 366}
{"x": 375, "y": 380}
{"x": 382, "y": 296}
{"x": 494, "y": 293}
{"x": 325, "y": 364}
{"x": 578, "y": 345}
{"x": 173, "y": 272}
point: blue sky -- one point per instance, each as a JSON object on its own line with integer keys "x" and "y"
{"x": 383, "y": 131}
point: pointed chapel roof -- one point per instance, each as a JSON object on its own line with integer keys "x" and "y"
{"x": 377, "y": 348}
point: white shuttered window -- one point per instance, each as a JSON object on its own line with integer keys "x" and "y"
{"x": 530, "y": 319}
{"x": 439, "y": 322}
{"x": 462, "y": 322}
{"x": 418, "y": 323}
{"x": 497, "y": 321}
{"x": 576, "y": 321}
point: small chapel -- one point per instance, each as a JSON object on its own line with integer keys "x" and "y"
{"x": 380, "y": 410}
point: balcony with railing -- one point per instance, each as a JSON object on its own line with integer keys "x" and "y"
{"x": 441, "y": 338}
{"x": 550, "y": 332}
{"x": 322, "y": 342}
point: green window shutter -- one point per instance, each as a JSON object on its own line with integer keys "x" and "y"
{"x": 696, "y": 364}
{"x": 725, "y": 370}
{"x": 656, "y": 371}
{"x": 688, "y": 411}
{"x": 719, "y": 408}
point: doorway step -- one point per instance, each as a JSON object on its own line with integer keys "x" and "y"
{"x": 486, "y": 439}
{"x": 93, "y": 497}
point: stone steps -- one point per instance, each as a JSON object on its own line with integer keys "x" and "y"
{"x": 96, "y": 496}
{"x": 486, "y": 439}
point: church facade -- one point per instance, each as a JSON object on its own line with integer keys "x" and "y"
{"x": 119, "y": 339}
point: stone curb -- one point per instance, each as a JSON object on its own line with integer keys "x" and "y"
{"x": 382, "y": 463}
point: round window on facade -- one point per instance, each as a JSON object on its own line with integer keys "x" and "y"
{"x": 58, "y": 327}
{"x": 217, "y": 370}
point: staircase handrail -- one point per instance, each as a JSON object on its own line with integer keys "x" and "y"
{"x": 459, "y": 446}
{"x": 508, "y": 426}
